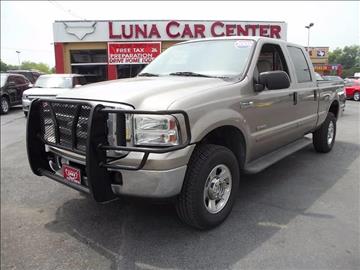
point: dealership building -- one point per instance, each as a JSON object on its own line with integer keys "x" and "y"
{"x": 107, "y": 50}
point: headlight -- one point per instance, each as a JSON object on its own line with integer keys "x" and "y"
{"x": 25, "y": 96}
{"x": 156, "y": 130}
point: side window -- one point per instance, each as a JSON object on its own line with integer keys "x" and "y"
{"x": 271, "y": 58}
{"x": 19, "y": 80}
{"x": 75, "y": 81}
{"x": 11, "y": 79}
{"x": 302, "y": 69}
{"x": 82, "y": 80}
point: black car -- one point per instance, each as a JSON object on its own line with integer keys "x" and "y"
{"x": 31, "y": 75}
{"x": 12, "y": 88}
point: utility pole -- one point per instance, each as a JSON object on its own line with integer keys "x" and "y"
{"x": 308, "y": 41}
{"x": 18, "y": 54}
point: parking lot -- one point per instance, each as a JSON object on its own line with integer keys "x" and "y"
{"x": 301, "y": 213}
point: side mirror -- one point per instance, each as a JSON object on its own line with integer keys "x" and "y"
{"x": 272, "y": 80}
{"x": 30, "y": 85}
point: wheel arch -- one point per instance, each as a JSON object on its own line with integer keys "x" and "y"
{"x": 335, "y": 108}
{"x": 231, "y": 137}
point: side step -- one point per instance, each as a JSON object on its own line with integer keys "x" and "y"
{"x": 269, "y": 159}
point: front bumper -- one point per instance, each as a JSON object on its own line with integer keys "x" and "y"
{"x": 145, "y": 171}
{"x": 151, "y": 184}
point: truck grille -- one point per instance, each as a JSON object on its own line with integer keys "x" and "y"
{"x": 65, "y": 124}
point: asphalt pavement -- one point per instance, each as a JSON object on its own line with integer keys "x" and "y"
{"x": 301, "y": 213}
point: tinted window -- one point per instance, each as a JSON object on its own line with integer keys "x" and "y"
{"x": 301, "y": 66}
{"x": 88, "y": 56}
{"x": 19, "y": 80}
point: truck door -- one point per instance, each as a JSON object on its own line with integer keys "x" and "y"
{"x": 305, "y": 91}
{"x": 270, "y": 114}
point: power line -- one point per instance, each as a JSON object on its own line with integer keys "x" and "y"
{"x": 23, "y": 49}
{"x": 57, "y": 5}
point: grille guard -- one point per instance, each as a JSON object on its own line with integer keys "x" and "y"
{"x": 97, "y": 162}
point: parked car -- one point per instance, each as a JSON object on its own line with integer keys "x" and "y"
{"x": 47, "y": 86}
{"x": 31, "y": 75}
{"x": 187, "y": 127}
{"x": 12, "y": 88}
{"x": 353, "y": 90}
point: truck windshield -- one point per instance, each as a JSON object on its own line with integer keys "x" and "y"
{"x": 219, "y": 58}
{"x": 54, "y": 82}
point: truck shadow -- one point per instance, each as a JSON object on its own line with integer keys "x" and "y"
{"x": 136, "y": 235}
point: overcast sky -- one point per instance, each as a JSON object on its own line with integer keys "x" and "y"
{"x": 27, "y": 26}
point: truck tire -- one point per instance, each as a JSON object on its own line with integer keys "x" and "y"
{"x": 324, "y": 137}
{"x": 210, "y": 187}
{"x": 5, "y": 105}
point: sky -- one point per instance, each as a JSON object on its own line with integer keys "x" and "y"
{"x": 27, "y": 26}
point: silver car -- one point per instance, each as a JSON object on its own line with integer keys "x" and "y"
{"x": 48, "y": 86}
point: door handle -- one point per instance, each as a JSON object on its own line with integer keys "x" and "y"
{"x": 295, "y": 97}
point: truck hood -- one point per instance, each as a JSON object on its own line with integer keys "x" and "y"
{"x": 45, "y": 91}
{"x": 150, "y": 93}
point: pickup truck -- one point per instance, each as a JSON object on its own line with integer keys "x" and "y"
{"x": 193, "y": 121}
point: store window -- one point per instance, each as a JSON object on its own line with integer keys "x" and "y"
{"x": 91, "y": 63}
{"x": 129, "y": 71}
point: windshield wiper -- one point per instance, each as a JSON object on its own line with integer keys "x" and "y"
{"x": 189, "y": 74}
{"x": 146, "y": 74}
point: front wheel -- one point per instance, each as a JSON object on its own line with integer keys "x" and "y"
{"x": 5, "y": 105}
{"x": 324, "y": 137}
{"x": 210, "y": 187}
{"x": 357, "y": 96}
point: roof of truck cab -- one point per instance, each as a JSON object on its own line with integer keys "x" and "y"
{"x": 62, "y": 75}
{"x": 254, "y": 38}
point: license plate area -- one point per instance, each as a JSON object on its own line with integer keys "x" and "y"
{"x": 71, "y": 174}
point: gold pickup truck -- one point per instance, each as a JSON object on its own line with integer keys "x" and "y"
{"x": 187, "y": 127}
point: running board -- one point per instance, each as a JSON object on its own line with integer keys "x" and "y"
{"x": 269, "y": 159}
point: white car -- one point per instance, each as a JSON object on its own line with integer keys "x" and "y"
{"x": 48, "y": 86}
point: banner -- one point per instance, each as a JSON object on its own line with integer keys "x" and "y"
{"x": 133, "y": 53}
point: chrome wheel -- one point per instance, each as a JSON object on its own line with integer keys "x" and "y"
{"x": 357, "y": 96}
{"x": 4, "y": 105}
{"x": 217, "y": 189}
{"x": 331, "y": 133}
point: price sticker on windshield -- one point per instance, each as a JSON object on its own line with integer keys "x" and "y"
{"x": 239, "y": 44}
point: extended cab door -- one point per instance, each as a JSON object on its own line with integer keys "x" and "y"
{"x": 305, "y": 90}
{"x": 270, "y": 114}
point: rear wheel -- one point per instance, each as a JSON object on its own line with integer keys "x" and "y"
{"x": 210, "y": 187}
{"x": 5, "y": 105}
{"x": 357, "y": 96}
{"x": 324, "y": 137}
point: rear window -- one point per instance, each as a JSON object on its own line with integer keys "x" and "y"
{"x": 302, "y": 69}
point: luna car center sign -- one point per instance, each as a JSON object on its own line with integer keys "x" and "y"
{"x": 189, "y": 30}
{"x": 172, "y": 30}
{"x": 133, "y": 53}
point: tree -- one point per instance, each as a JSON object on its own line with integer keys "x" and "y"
{"x": 5, "y": 67}
{"x": 348, "y": 57}
{"x": 38, "y": 66}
